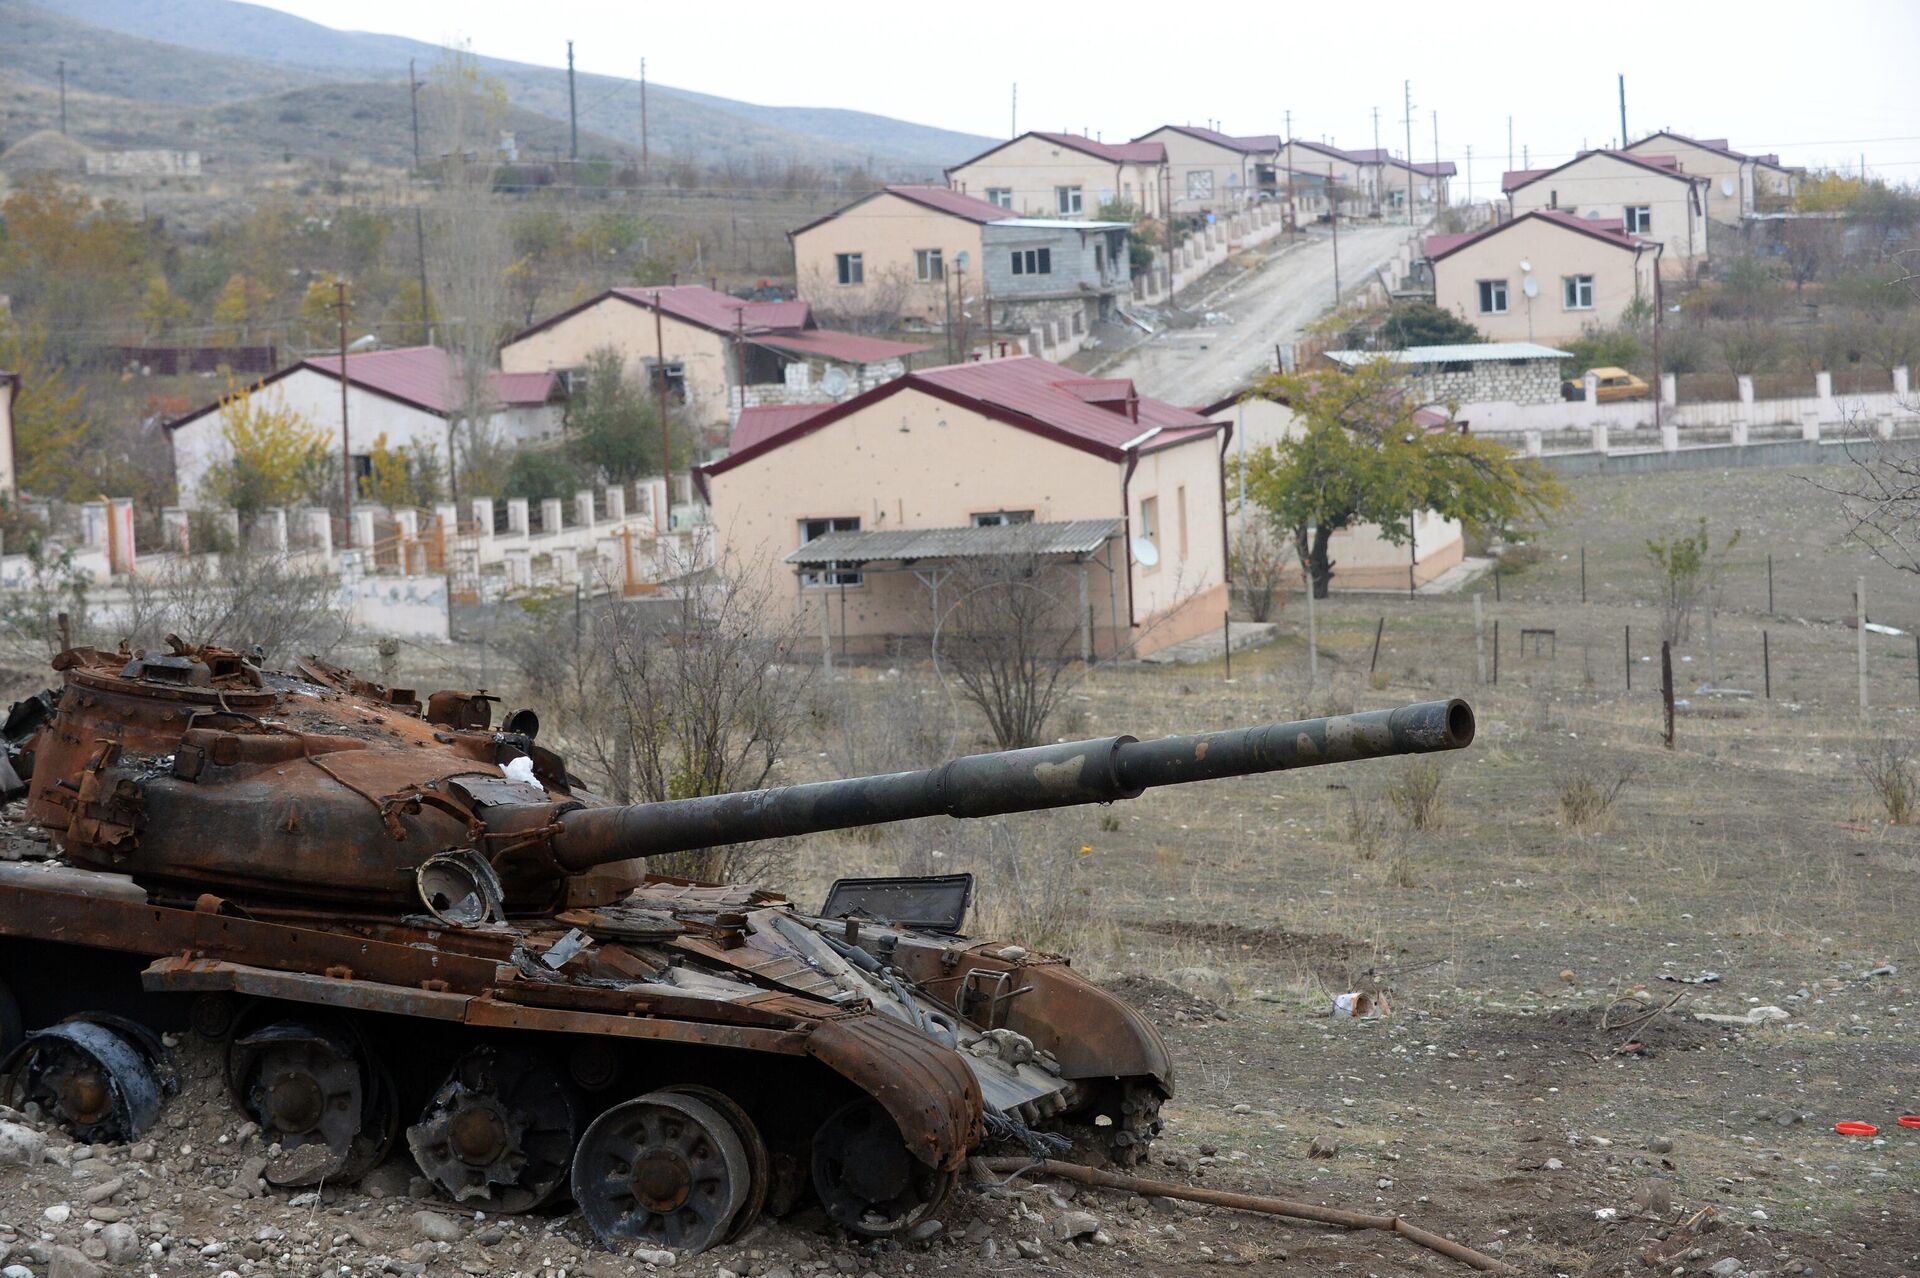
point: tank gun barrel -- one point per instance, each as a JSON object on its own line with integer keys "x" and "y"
{"x": 1070, "y": 773}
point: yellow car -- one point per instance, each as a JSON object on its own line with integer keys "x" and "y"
{"x": 1615, "y": 384}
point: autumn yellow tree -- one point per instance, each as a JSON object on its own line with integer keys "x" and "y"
{"x": 275, "y": 456}
{"x": 402, "y": 475}
{"x": 238, "y": 308}
{"x": 72, "y": 264}
{"x": 161, "y": 309}
{"x": 319, "y": 311}
{"x": 49, "y": 417}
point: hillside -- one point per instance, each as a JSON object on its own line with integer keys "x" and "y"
{"x": 279, "y": 45}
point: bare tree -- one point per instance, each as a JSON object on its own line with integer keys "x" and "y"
{"x": 1010, "y": 642}
{"x": 247, "y": 600}
{"x": 469, "y": 256}
{"x": 874, "y": 307}
{"x": 700, "y": 700}
{"x": 1259, "y": 562}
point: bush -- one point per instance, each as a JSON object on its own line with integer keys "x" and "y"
{"x": 1888, "y": 768}
{"x": 1415, "y": 794}
{"x": 1368, "y": 825}
{"x": 1587, "y": 794}
{"x": 1424, "y": 324}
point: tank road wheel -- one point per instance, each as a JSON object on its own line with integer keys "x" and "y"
{"x": 318, "y": 1095}
{"x": 662, "y": 1170}
{"x": 1134, "y": 1126}
{"x": 867, "y": 1179}
{"x": 102, "y": 1078}
{"x": 500, "y": 1130}
{"x": 759, "y": 1161}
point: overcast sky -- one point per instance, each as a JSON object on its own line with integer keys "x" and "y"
{"x": 1819, "y": 83}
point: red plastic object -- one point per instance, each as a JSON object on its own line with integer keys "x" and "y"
{"x": 1856, "y": 1129}
{"x": 1910, "y": 1120}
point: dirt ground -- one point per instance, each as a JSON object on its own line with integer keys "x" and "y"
{"x": 1291, "y": 287}
{"x": 1518, "y": 1097}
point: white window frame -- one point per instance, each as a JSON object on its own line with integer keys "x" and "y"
{"x": 1492, "y": 291}
{"x": 850, "y": 269}
{"x": 1069, "y": 201}
{"x": 832, "y": 576}
{"x": 1001, "y": 518}
{"x": 1000, "y": 196}
{"x": 929, "y": 265}
{"x": 1638, "y": 219}
{"x": 1033, "y": 261}
{"x": 1576, "y": 292}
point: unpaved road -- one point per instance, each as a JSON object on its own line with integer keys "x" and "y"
{"x": 1272, "y": 304}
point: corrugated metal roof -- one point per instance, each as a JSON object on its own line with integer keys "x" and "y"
{"x": 1466, "y": 352}
{"x": 763, "y": 421}
{"x": 721, "y": 312}
{"x": 1118, "y": 152}
{"x": 958, "y": 203}
{"x": 846, "y": 348}
{"x": 1073, "y": 537}
{"x": 428, "y": 378}
{"x": 1044, "y": 391}
{"x": 1057, "y": 224}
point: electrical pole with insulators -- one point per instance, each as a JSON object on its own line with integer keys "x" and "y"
{"x": 573, "y": 114}
{"x": 1313, "y": 631}
{"x": 346, "y": 448}
{"x": 1375, "y": 192}
{"x": 1409, "y": 123}
{"x": 1013, "y": 117}
{"x": 1623, "y": 110}
{"x": 1509, "y": 143}
{"x": 1333, "y": 216}
{"x": 420, "y": 260}
{"x": 646, "y": 161}
{"x": 413, "y": 100}
{"x": 1292, "y": 219}
{"x": 63, "y": 97}
{"x": 1436, "y": 159}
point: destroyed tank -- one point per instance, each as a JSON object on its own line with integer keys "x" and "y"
{"x": 406, "y": 923}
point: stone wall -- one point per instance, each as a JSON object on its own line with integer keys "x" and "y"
{"x": 1517, "y": 381}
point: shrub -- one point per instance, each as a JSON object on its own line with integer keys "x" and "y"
{"x": 1587, "y": 794}
{"x": 1888, "y": 768}
{"x": 1415, "y": 794}
{"x": 1368, "y": 825}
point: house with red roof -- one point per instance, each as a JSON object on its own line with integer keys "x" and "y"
{"x": 1652, "y": 195}
{"x": 411, "y": 397}
{"x": 1738, "y": 184}
{"x": 1585, "y": 273}
{"x": 1065, "y": 175}
{"x": 857, "y": 511}
{"x": 1212, "y": 171}
{"x": 934, "y": 256}
{"x": 716, "y": 353}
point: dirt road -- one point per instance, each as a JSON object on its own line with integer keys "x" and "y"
{"x": 1272, "y": 304}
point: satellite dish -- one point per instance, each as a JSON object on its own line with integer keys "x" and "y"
{"x": 1726, "y": 186}
{"x": 1530, "y": 286}
{"x": 1145, "y": 553}
{"x": 835, "y": 382}
{"x": 961, "y": 259}
{"x": 1525, "y": 265}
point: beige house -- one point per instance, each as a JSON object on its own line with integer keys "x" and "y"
{"x": 716, "y": 353}
{"x": 914, "y": 477}
{"x": 9, "y": 391}
{"x": 1429, "y": 181}
{"x": 1738, "y": 185}
{"x": 1065, "y": 175}
{"x": 1361, "y": 557}
{"x": 1654, "y": 197}
{"x": 1210, "y": 170}
{"x": 1586, "y": 272}
{"x": 1308, "y": 167}
{"x": 894, "y": 249}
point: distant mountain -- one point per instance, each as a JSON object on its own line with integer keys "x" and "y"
{"x": 238, "y": 45}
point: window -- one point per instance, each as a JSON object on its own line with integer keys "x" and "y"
{"x": 928, "y": 266}
{"x": 1493, "y": 297}
{"x": 1000, "y": 195}
{"x": 811, "y": 529}
{"x": 1033, "y": 261}
{"x": 1578, "y": 291}
{"x": 850, "y": 268}
{"x": 1639, "y": 219}
{"x": 1199, "y": 184}
{"x": 1149, "y": 520}
{"x": 1180, "y": 517}
{"x": 673, "y": 376}
{"x": 1001, "y": 518}
{"x": 1067, "y": 200}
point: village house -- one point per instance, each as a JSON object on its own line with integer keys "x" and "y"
{"x": 1467, "y": 374}
{"x": 900, "y": 486}
{"x": 714, "y": 352}
{"x": 935, "y": 256}
{"x": 411, "y": 396}
{"x": 1065, "y": 175}
{"x": 1543, "y": 276}
{"x": 1429, "y": 180}
{"x": 1361, "y": 556}
{"x": 9, "y": 391}
{"x": 1308, "y": 167}
{"x": 1738, "y": 185}
{"x": 1214, "y": 171}
{"x": 1652, "y": 195}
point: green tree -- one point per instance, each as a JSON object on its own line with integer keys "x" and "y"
{"x": 1359, "y": 456}
{"x": 50, "y": 420}
{"x": 615, "y": 421}
{"x": 275, "y": 456}
{"x": 1424, "y": 324}
{"x": 1689, "y": 567}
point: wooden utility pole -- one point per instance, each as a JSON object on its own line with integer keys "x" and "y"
{"x": 1623, "y": 110}
{"x": 1374, "y": 202}
{"x": 63, "y": 97}
{"x": 1292, "y": 219}
{"x": 664, "y": 522}
{"x": 1409, "y": 123}
{"x": 1436, "y": 159}
{"x": 420, "y": 261}
{"x": 346, "y": 448}
{"x": 573, "y": 114}
{"x": 1666, "y": 686}
{"x": 1333, "y": 216}
{"x": 413, "y": 100}
{"x": 1860, "y": 631}
{"x": 1013, "y": 119}
{"x": 1479, "y": 638}
{"x": 646, "y": 161}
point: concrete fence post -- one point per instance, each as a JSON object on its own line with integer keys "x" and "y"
{"x": 273, "y": 522}
{"x": 93, "y": 523}
{"x": 1810, "y": 425}
{"x": 1823, "y": 387}
{"x": 407, "y": 524}
{"x": 1739, "y": 434}
{"x": 1745, "y": 385}
{"x": 483, "y": 516}
{"x": 517, "y": 518}
{"x": 1600, "y": 438}
{"x": 1883, "y": 425}
{"x": 519, "y": 566}
{"x": 175, "y": 526}
{"x": 1533, "y": 443}
{"x": 566, "y": 565}
{"x": 583, "y": 508}
{"x": 1590, "y": 404}
{"x": 1669, "y": 390}
{"x": 617, "y": 504}
{"x": 1670, "y": 437}
{"x": 320, "y": 530}
{"x": 551, "y": 520}
{"x": 1900, "y": 382}
{"x": 362, "y": 530}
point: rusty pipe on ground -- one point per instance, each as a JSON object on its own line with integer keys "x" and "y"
{"x": 1070, "y": 773}
{"x": 1261, "y": 1203}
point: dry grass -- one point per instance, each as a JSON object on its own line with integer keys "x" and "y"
{"x": 1888, "y": 767}
{"x": 1587, "y": 793}
{"x": 1415, "y": 793}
